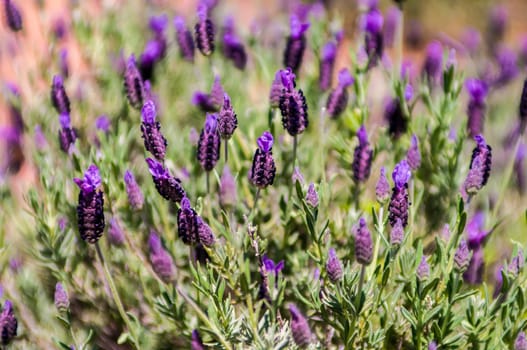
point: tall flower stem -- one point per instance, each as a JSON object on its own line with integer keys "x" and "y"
{"x": 359, "y": 289}
{"x": 116, "y": 297}
{"x": 207, "y": 182}
{"x": 295, "y": 145}
{"x": 226, "y": 151}
{"x": 253, "y": 209}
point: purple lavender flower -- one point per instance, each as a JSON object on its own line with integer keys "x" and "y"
{"x": 276, "y": 90}
{"x": 293, "y": 106}
{"x": 208, "y": 151}
{"x": 133, "y": 84}
{"x": 338, "y": 98}
{"x": 196, "y": 343}
{"x": 61, "y": 299}
{"x": 272, "y": 267}
{"x": 103, "y": 123}
{"x": 477, "y": 90}
{"x": 413, "y": 156}
{"x": 205, "y": 235}
{"x": 59, "y": 98}
{"x": 498, "y": 18}
{"x": 480, "y": 166}
{"x": 462, "y": 256}
{"x": 299, "y": 327}
{"x": 162, "y": 262}
{"x": 297, "y": 176}
{"x": 187, "y": 222}
{"x": 133, "y": 191}
{"x": 193, "y": 137}
{"x": 168, "y": 186}
{"x": 233, "y": 48}
{"x": 471, "y": 39}
{"x": 433, "y": 66}
{"x": 327, "y": 62}
{"x": 296, "y": 44}
{"x": 363, "y": 243}
{"x": 8, "y": 323}
{"x": 392, "y": 25}
{"x": 382, "y": 189}
{"x": 63, "y": 63}
{"x": 516, "y": 263}
{"x": 154, "y": 141}
{"x": 432, "y": 345}
{"x": 13, "y": 17}
{"x": 521, "y": 342}
{"x": 423, "y": 269}
{"x": 90, "y": 210}
{"x": 153, "y": 52}
{"x": 67, "y": 134}
{"x": 362, "y": 157}
{"x": 263, "y": 169}
{"x": 399, "y": 202}
{"x": 115, "y": 233}
{"x": 334, "y": 266}
{"x": 40, "y": 139}
{"x": 204, "y": 31}
{"x": 372, "y": 23}
{"x": 397, "y": 233}
{"x": 312, "y": 196}
{"x": 397, "y": 121}
{"x": 508, "y": 66}
{"x": 474, "y": 272}
{"x": 184, "y": 39}
{"x": 519, "y": 167}
{"x": 476, "y": 234}
{"x": 523, "y": 107}
{"x": 228, "y": 196}
{"x": 227, "y": 121}
{"x": 217, "y": 93}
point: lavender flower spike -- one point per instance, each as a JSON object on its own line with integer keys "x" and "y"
{"x": 397, "y": 233}
{"x": 462, "y": 257}
{"x": 228, "y": 196}
{"x": 196, "y": 342}
{"x": 299, "y": 328}
{"x": 8, "y": 323}
{"x": 399, "y": 202}
{"x": 67, "y": 134}
{"x": 168, "y": 186}
{"x": 133, "y": 84}
{"x": 276, "y": 90}
{"x": 227, "y": 121}
{"x": 154, "y": 141}
{"x": 327, "y": 62}
{"x": 477, "y": 90}
{"x": 204, "y": 31}
{"x": 312, "y": 196}
{"x": 90, "y": 211}
{"x": 234, "y": 50}
{"x": 480, "y": 166}
{"x": 59, "y": 98}
{"x": 263, "y": 168}
{"x": 205, "y": 235}
{"x": 12, "y": 13}
{"x": 373, "y": 38}
{"x": 523, "y": 107}
{"x": 296, "y": 44}
{"x": 362, "y": 158}
{"x": 413, "y": 156}
{"x": 293, "y": 106}
{"x": 333, "y": 266}
{"x": 382, "y": 189}
{"x": 521, "y": 342}
{"x": 433, "y": 63}
{"x": 184, "y": 39}
{"x": 162, "y": 262}
{"x": 187, "y": 222}
{"x": 423, "y": 270}
{"x": 115, "y": 233}
{"x": 61, "y": 299}
{"x": 363, "y": 243}
{"x": 338, "y": 98}
{"x": 397, "y": 121}
{"x": 208, "y": 151}
{"x": 133, "y": 191}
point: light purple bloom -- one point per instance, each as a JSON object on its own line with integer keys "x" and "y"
{"x": 265, "y": 142}
{"x": 103, "y": 123}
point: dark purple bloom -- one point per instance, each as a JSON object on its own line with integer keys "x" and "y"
{"x": 338, "y": 98}
{"x": 327, "y": 62}
{"x": 423, "y": 269}
{"x": 299, "y": 327}
{"x": 8, "y": 323}
{"x": 204, "y": 31}
{"x": 334, "y": 266}
{"x": 413, "y": 156}
{"x": 61, "y": 299}
{"x": 103, "y": 123}
{"x": 462, "y": 257}
{"x": 521, "y": 342}
{"x": 397, "y": 232}
{"x": 392, "y": 25}
{"x": 474, "y": 271}
{"x": 373, "y": 38}
{"x": 154, "y": 140}
{"x": 523, "y": 107}
{"x": 187, "y": 222}
{"x": 362, "y": 157}
{"x": 196, "y": 343}
{"x": 168, "y": 186}
{"x": 312, "y": 196}
{"x": 399, "y": 202}
{"x": 227, "y": 121}
{"x": 208, "y": 151}
{"x": 67, "y": 134}
{"x": 397, "y": 121}
{"x": 363, "y": 243}
{"x": 115, "y": 233}
{"x": 13, "y": 17}
{"x": 204, "y": 102}
{"x": 519, "y": 167}
{"x": 296, "y": 44}
{"x": 433, "y": 66}
{"x": 276, "y": 90}
{"x": 480, "y": 166}
{"x": 293, "y": 106}
{"x": 228, "y": 196}
{"x": 477, "y": 90}
{"x": 272, "y": 267}
{"x": 234, "y": 50}
{"x": 59, "y": 98}
{"x": 508, "y": 66}
{"x": 162, "y": 262}
{"x": 158, "y": 24}
{"x": 382, "y": 189}
{"x": 133, "y": 84}
{"x": 205, "y": 235}
{"x": 263, "y": 169}
{"x": 135, "y": 195}
{"x": 477, "y": 235}
{"x": 153, "y": 52}
{"x": 184, "y": 39}
{"x": 90, "y": 210}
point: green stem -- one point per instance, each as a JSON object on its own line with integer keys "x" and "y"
{"x": 204, "y": 318}
{"x": 449, "y": 306}
{"x": 72, "y": 333}
{"x": 116, "y": 297}
{"x": 226, "y": 151}
{"x": 295, "y": 142}
{"x": 359, "y": 289}
{"x": 208, "y": 182}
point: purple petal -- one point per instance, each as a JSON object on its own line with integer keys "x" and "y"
{"x": 345, "y": 78}
{"x": 265, "y": 142}
{"x": 401, "y": 174}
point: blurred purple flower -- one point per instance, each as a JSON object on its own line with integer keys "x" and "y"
{"x": 519, "y": 167}
{"x": 372, "y": 23}
{"x": 413, "y": 156}
{"x": 397, "y": 121}
{"x": 363, "y": 243}
{"x": 8, "y": 323}
{"x": 392, "y": 25}
{"x": 61, "y": 299}
{"x": 162, "y": 262}
{"x": 228, "y": 195}
{"x": 154, "y": 141}
{"x": 263, "y": 169}
{"x": 13, "y": 16}
{"x": 90, "y": 210}
{"x": 471, "y": 39}
{"x": 297, "y": 176}
{"x": 59, "y": 98}
{"x": 115, "y": 233}
{"x": 133, "y": 83}
{"x": 63, "y": 63}
{"x": 333, "y": 266}
{"x": 184, "y": 39}
{"x": 299, "y": 327}
{"x": 339, "y": 96}
{"x": 423, "y": 269}
{"x": 433, "y": 66}
{"x": 296, "y": 44}
{"x": 196, "y": 343}
{"x": 208, "y": 152}
{"x": 271, "y": 266}
{"x": 204, "y": 31}
{"x": 508, "y": 66}
{"x": 103, "y": 123}
{"x": 462, "y": 257}
{"x": 521, "y": 342}
{"x": 382, "y": 189}
{"x": 397, "y": 233}
{"x": 480, "y": 166}
{"x": 312, "y": 196}
{"x": 498, "y": 18}
{"x": 362, "y": 157}
{"x": 474, "y": 273}
{"x": 276, "y": 90}
{"x": 327, "y": 62}
{"x": 399, "y": 202}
